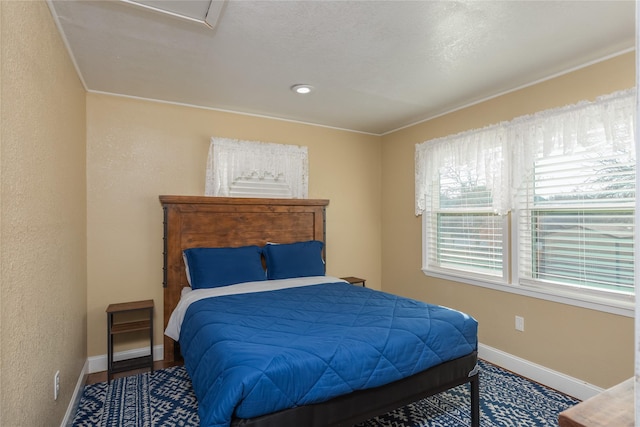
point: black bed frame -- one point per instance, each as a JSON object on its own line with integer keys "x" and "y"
{"x": 361, "y": 405}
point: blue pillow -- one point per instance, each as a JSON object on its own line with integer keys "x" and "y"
{"x": 215, "y": 267}
{"x": 299, "y": 259}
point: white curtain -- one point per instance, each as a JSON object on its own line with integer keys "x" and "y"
{"x": 256, "y": 169}
{"x": 479, "y": 152}
{"x": 502, "y": 156}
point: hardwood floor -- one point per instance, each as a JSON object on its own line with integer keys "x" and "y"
{"x": 98, "y": 377}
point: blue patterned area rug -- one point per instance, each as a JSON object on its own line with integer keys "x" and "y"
{"x": 165, "y": 398}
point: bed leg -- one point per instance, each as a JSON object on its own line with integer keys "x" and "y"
{"x": 475, "y": 400}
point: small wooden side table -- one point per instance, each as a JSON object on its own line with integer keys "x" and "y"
{"x": 116, "y": 328}
{"x": 612, "y": 407}
{"x": 354, "y": 280}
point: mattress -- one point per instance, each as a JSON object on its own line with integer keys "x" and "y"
{"x": 258, "y": 348}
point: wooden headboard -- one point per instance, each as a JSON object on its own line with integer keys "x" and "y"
{"x": 200, "y": 221}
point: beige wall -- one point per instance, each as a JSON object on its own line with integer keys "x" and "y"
{"x": 593, "y": 346}
{"x": 42, "y": 218}
{"x": 137, "y": 150}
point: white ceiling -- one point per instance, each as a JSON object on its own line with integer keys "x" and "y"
{"x": 376, "y": 65}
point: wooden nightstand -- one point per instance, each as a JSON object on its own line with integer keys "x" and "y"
{"x": 354, "y": 280}
{"x": 145, "y": 309}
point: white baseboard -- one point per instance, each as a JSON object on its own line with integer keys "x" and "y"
{"x": 75, "y": 398}
{"x": 99, "y": 363}
{"x": 554, "y": 379}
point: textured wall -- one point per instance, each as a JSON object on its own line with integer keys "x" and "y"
{"x": 593, "y": 346}
{"x": 137, "y": 150}
{"x": 42, "y": 218}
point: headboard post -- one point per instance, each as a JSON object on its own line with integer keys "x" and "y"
{"x": 164, "y": 247}
{"x": 202, "y": 221}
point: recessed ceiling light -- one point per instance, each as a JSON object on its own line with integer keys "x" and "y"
{"x": 302, "y": 89}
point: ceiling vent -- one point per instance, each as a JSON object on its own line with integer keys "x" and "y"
{"x": 206, "y": 12}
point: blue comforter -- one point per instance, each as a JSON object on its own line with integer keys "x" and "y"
{"x": 254, "y": 354}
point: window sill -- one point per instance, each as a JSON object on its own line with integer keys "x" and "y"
{"x": 608, "y": 305}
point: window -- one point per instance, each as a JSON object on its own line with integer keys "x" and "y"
{"x": 576, "y": 220}
{"x": 556, "y": 190}
{"x": 464, "y": 232}
{"x": 256, "y": 169}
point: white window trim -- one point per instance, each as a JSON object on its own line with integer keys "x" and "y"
{"x": 623, "y": 305}
{"x": 514, "y": 167}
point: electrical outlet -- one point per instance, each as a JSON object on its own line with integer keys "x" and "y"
{"x": 56, "y": 385}
{"x": 520, "y": 323}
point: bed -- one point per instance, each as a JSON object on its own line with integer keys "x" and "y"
{"x": 194, "y": 224}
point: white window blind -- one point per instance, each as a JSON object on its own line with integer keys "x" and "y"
{"x": 576, "y": 222}
{"x": 468, "y": 242}
{"x": 464, "y": 231}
